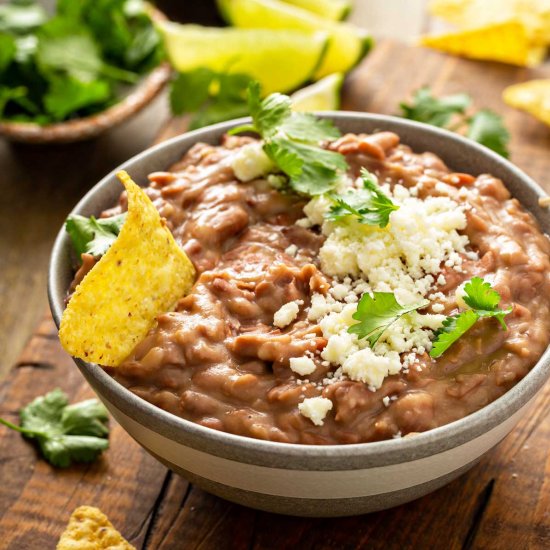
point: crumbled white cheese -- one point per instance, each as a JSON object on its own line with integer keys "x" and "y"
{"x": 459, "y": 297}
{"x": 287, "y": 313}
{"x": 250, "y": 162}
{"x": 404, "y": 258}
{"x": 386, "y": 401}
{"x": 291, "y": 250}
{"x": 315, "y": 408}
{"x": 366, "y": 366}
{"x": 302, "y": 365}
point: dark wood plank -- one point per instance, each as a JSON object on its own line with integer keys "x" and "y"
{"x": 502, "y": 503}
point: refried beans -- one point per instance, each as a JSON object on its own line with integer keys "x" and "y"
{"x": 219, "y": 360}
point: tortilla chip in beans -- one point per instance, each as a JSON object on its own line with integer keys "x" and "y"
{"x": 142, "y": 275}
{"x": 507, "y": 42}
{"x": 532, "y": 96}
{"x": 90, "y": 529}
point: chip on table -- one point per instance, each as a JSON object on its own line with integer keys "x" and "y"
{"x": 506, "y": 42}
{"x": 532, "y": 96}
{"x": 468, "y": 14}
{"x": 90, "y": 529}
{"x": 143, "y": 274}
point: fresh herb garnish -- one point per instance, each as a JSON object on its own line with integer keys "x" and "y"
{"x": 377, "y": 312}
{"x": 292, "y": 140}
{"x": 212, "y": 96}
{"x": 368, "y": 205}
{"x": 484, "y": 300}
{"x": 93, "y": 236}
{"x": 73, "y": 63}
{"x": 485, "y": 126}
{"x": 65, "y": 433}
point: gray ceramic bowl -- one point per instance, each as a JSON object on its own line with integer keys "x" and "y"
{"x": 299, "y": 479}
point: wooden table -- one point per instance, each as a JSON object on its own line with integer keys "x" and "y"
{"x": 502, "y": 503}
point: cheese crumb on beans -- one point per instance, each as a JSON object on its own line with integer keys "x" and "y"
{"x": 316, "y": 409}
{"x": 404, "y": 258}
{"x": 287, "y": 313}
{"x": 302, "y": 365}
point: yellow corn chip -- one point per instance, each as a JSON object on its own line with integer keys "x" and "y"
{"x": 470, "y": 14}
{"x": 532, "y": 96}
{"x": 507, "y": 42}
{"x": 90, "y": 529}
{"x": 142, "y": 275}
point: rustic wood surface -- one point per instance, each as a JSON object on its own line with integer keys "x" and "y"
{"x": 502, "y": 503}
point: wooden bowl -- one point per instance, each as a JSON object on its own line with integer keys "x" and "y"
{"x": 79, "y": 129}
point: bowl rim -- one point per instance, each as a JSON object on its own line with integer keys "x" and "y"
{"x": 226, "y": 444}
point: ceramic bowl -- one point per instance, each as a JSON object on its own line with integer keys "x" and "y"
{"x": 332, "y": 480}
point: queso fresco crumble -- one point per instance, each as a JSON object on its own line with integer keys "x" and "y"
{"x": 348, "y": 290}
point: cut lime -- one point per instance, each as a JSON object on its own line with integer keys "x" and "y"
{"x": 348, "y": 44}
{"x": 281, "y": 60}
{"x": 329, "y": 9}
{"x": 321, "y": 96}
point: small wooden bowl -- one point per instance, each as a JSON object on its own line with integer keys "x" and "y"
{"x": 79, "y": 129}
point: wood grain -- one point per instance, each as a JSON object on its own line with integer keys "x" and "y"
{"x": 502, "y": 503}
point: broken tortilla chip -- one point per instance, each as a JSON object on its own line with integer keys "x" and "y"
{"x": 532, "y": 96}
{"x": 90, "y": 529}
{"x": 507, "y": 42}
{"x": 469, "y": 14}
{"x": 142, "y": 275}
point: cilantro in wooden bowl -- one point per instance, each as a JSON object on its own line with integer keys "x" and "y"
{"x": 72, "y": 75}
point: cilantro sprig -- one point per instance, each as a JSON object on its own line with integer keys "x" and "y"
{"x": 292, "y": 141}
{"x": 93, "y": 235}
{"x": 369, "y": 205}
{"x": 377, "y": 312}
{"x": 483, "y": 301}
{"x": 485, "y": 126}
{"x": 65, "y": 433}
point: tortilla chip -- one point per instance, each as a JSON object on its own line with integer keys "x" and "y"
{"x": 142, "y": 275}
{"x": 90, "y": 529}
{"x": 532, "y": 97}
{"x": 470, "y": 14}
{"x": 507, "y": 42}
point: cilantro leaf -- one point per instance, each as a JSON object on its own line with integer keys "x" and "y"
{"x": 435, "y": 111}
{"x": 453, "y": 328}
{"x": 91, "y": 235}
{"x": 377, "y": 312}
{"x": 311, "y": 170}
{"x": 483, "y": 299}
{"x": 369, "y": 205}
{"x": 292, "y": 140}
{"x": 487, "y": 128}
{"x": 480, "y": 294}
{"x": 212, "y": 96}
{"x": 67, "y": 95}
{"x": 74, "y": 52}
{"x": 65, "y": 433}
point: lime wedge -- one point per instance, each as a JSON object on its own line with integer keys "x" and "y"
{"x": 348, "y": 44}
{"x": 329, "y": 9}
{"x": 324, "y": 95}
{"x": 281, "y": 60}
